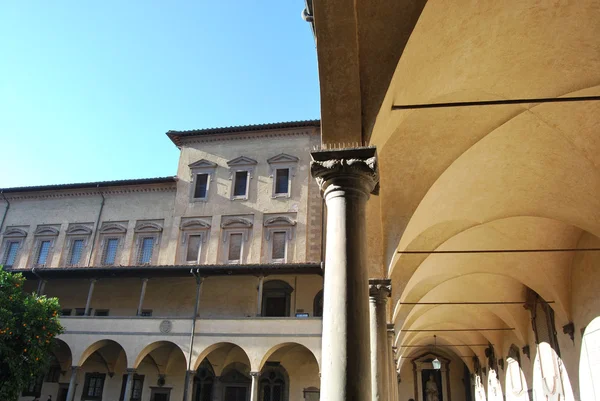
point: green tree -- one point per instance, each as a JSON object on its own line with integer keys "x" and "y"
{"x": 29, "y": 325}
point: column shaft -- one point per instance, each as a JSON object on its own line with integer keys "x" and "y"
{"x": 346, "y": 178}
{"x": 72, "y": 383}
{"x": 129, "y": 385}
{"x": 392, "y": 375}
{"x": 189, "y": 385}
{"x": 379, "y": 290}
{"x": 254, "y": 389}
{"x": 89, "y": 298}
{"x": 261, "y": 281}
{"x": 142, "y": 295}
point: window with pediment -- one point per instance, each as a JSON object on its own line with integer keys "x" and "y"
{"x": 203, "y": 172}
{"x": 282, "y": 169}
{"x": 13, "y": 240}
{"x": 236, "y": 233}
{"x": 43, "y": 246}
{"x": 147, "y": 240}
{"x": 279, "y": 233}
{"x": 194, "y": 234}
{"x": 241, "y": 172}
{"x": 112, "y": 238}
{"x": 77, "y": 244}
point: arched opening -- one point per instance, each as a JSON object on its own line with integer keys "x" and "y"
{"x": 515, "y": 382}
{"x": 222, "y": 373}
{"x": 99, "y": 364}
{"x": 589, "y": 362}
{"x": 318, "y": 305}
{"x": 276, "y": 298}
{"x": 289, "y": 372}
{"x": 159, "y": 373}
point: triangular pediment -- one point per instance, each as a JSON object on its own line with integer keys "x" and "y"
{"x": 283, "y": 158}
{"x": 241, "y": 161}
{"x": 203, "y": 163}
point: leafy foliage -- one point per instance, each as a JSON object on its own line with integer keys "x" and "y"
{"x": 29, "y": 325}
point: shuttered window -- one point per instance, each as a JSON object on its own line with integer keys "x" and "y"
{"x": 145, "y": 255}
{"x": 76, "y": 251}
{"x": 43, "y": 251}
{"x": 235, "y": 247}
{"x": 110, "y": 251}
{"x": 282, "y": 176}
{"x": 278, "y": 250}
{"x": 12, "y": 248}
{"x": 240, "y": 184}
{"x": 200, "y": 191}
{"x": 193, "y": 248}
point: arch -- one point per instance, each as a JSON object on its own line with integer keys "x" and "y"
{"x": 113, "y": 228}
{"x": 273, "y": 380}
{"x": 515, "y": 382}
{"x": 227, "y": 347}
{"x": 79, "y": 229}
{"x": 14, "y": 232}
{"x": 63, "y": 354}
{"x": 279, "y": 221}
{"x": 589, "y": 373}
{"x": 318, "y": 304}
{"x": 195, "y": 224}
{"x": 149, "y": 348}
{"x": 46, "y": 231}
{"x": 550, "y": 377}
{"x": 236, "y": 222}
{"x": 287, "y": 346}
{"x": 98, "y": 345}
{"x": 148, "y": 227}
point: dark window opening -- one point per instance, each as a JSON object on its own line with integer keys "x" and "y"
{"x": 318, "y": 305}
{"x": 235, "y": 247}
{"x": 101, "y": 312}
{"x": 278, "y": 247}
{"x": 94, "y": 386}
{"x": 240, "y": 184}
{"x": 146, "y": 312}
{"x": 282, "y": 176}
{"x": 276, "y": 299}
{"x": 193, "y": 248}
{"x": 65, "y": 312}
{"x": 201, "y": 189}
{"x": 137, "y": 386}
{"x": 10, "y": 254}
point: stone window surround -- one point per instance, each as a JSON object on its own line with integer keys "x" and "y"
{"x": 76, "y": 232}
{"x": 235, "y": 225}
{"x": 202, "y": 166}
{"x": 43, "y": 233}
{"x": 196, "y": 226}
{"x": 108, "y": 231}
{"x": 147, "y": 229}
{"x": 282, "y": 161}
{"x": 279, "y": 224}
{"x": 12, "y": 234}
{"x": 238, "y": 164}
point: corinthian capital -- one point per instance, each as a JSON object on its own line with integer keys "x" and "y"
{"x": 380, "y": 289}
{"x": 351, "y": 167}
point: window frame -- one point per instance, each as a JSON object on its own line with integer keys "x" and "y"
{"x": 136, "y": 377}
{"x": 281, "y": 162}
{"x": 274, "y": 224}
{"x": 202, "y": 166}
{"x": 76, "y": 232}
{"x": 110, "y": 231}
{"x": 285, "y": 232}
{"x": 194, "y": 226}
{"x": 43, "y": 234}
{"x": 86, "y": 386}
{"x": 11, "y": 237}
{"x": 235, "y": 225}
{"x": 145, "y": 230}
{"x": 241, "y": 164}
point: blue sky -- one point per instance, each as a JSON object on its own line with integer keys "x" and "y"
{"x": 88, "y": 89}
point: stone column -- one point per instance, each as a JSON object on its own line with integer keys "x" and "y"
{"x": 129, "y": 385}
{"x": 72, "y": 383}
{"x": 89, "y": 298}
{"x": 346, "y": 177}
{"x": 142, "y": 295}
{"x": 254, "y": 389}
{"x": 189, "y": 385}
{"x": 379, "y": 291}
{"x": 261, "y": 281}
{"x": 392, "y": 375}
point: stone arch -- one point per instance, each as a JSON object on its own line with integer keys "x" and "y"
{"x": 109, "y": 352}
{"x": 589, "y": 372}
{"x": 287, "y": 345}
{"x": 63, "y": 354}
{"x": 515, "y": 382}
{"x": 550, "y": 377}
{"x": 216, "y": 346}
{"x": 149, "y": 348}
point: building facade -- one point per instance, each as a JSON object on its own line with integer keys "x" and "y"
{"x": 203, "y": 286}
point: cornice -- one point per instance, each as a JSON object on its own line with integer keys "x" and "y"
{"x": 38, "y": 195}
{"x": 243, "y": 136}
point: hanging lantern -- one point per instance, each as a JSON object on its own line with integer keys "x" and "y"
{"x": 437, "y": 365}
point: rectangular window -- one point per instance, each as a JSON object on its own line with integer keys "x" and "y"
{"x": 137, "y": 386}
{"x": 278, "y": 247}
{"x": 65, "y": 312}
{"x": 235, "y": 247}
{"x": 43, "y": 251}
{"x": 201, "y": 189}
{"x": 240, "y": 185}
{"x": 110, "y": 251}
{"x": 101, "y": 312}
{"x": 282, "y": 183}
{"x": 146, "y": 312}
{"x": 94, "y": 385}
{"x": 76, "y": 251}
{"x": 10, "y": 255}
{"x": 146, "y": 248}
{"x": 193, "y": 248}
{"x": 79, "y": 311}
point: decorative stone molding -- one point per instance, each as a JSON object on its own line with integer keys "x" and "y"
{"x": 65, "y": 194}
{"x": 147, "y": 227}
{"x": 279, "y": 221}
{"x": 46, "y": 230}
{"x": 79, "y": 229}
{"x": 283, "y": 160}
{"x": 379, "y": 290}
{"x": 351, "y": 166}
{"x": 231, "y": 222}
{"x": 13, "y": 232}
{"x": 110, "y": 228}
{"x": 526, "y": 351}
{"x": 242, "y": 136}
{"x": 202, "y": 164}
{"x": 390, "y": 327}
{"x": 195, "y": 224}
{"x": 254, "y": 374}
